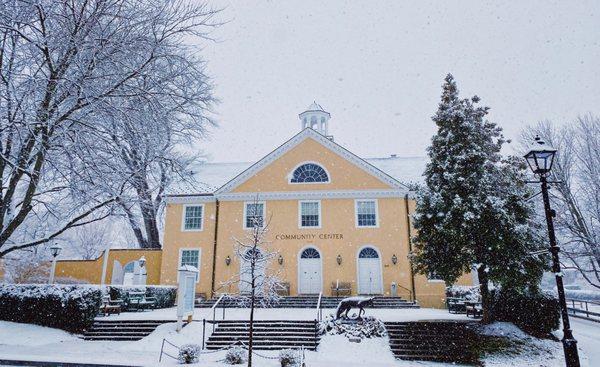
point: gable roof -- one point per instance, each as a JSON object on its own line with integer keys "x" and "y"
{"x": 296, "y": 140}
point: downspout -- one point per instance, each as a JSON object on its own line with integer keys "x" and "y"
{"x": 412, "y": 275}
{"x": 214, "y": 259}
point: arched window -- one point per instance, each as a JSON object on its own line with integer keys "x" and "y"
{"x": 255, "y": 254}
{"x": 368, "y": 253}
{"x": 310, "y": 253}
{"x": 309, "y": 172}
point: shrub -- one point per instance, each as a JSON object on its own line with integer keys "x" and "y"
{"x": 582, "y": 295}
{"x": 289, "y": 358}
{"x": 463, "y": 291}
{"x": 534, "y": 312}
{"x": 189, "y": 353}
{"x": 165, "y": 295}
{"x": 69, "y": 307}
{"x": 236, "y": 355}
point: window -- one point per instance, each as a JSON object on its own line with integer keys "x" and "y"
{"x": 310, "y": 253}
{"x": 368, "y": 253}
{"x": 310, "y": 213}
{"x": 309, "y": 173}
{"x": 254, "y": 214}
{"x": 192, "y": 217}
{"x": 190, "y": 257}
{"x": 366, "y": 213}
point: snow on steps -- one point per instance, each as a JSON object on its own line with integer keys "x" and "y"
{"x": 126, "y": 330}
{"x": 311, "y": 302}
{"x": 267, "y": 334}
{"x": 441, "y": 341}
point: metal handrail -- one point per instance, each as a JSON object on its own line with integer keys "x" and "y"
{"x": 319, "y": 307}
{"x": 214, "y": 308}
{"x": 580, "y": 312}
{"x": 410, "y": 294}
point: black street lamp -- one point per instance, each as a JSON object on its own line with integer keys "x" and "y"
{"x": 540, "y": 158}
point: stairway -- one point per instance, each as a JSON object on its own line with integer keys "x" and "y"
{"x": 268, "y": 334}
{"x": 310, "y": 302}
{"x": 130, "y": 330}
{"x": 440, "y": 341}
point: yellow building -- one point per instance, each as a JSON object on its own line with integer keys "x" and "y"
{"x": 332, "y": 218}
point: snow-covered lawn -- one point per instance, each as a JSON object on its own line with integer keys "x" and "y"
{"x": 30, "y": 342}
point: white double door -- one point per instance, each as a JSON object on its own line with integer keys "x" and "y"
{"x": 369, "y": 276}
{"x": 310, "y": 278}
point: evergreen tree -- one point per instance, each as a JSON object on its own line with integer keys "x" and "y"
{"x": 472, "y": 212}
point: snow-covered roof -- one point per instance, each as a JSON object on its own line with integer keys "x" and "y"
{"x": 315, "y": 107}
{"x": 212, "y": 176}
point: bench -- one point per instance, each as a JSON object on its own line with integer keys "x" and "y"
{"x": 474, "y": 309}
{"x": 110, "y": 306}
{"x": 456, "y": 305}
{"x": 137, "y": 301}
{"x": 341, "y": 288}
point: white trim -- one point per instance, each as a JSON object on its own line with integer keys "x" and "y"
{"x": 358, "y": 268}
{"x": 185, "y": 206}
{"x": 189, "y": 199}
{"x": 356, "y": 213}
{"x": 296, "y": 140}
{"x": 313, "y": 195}
{"x": 291, "y": 174}
{"x": 300, "y": 214}
{"x": 199, "y": 249}
{"x": 264, "y": 212}
{"x": 298, "y": 264}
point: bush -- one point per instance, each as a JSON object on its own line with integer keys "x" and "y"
{"x": 470, "y": 293}
{"x": 68, "y": 307}
{"x": 189, "y": 353}
{"x": 165, "y": 295}
{"x": 582, "y": 295}
{"x": 236, "y": 355}
{"x": 289, "y": 358}
{"x": 535, "y": 313}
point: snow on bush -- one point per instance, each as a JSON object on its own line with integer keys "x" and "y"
{"x": 470, "y": 293}
{"x": 367, "y": 327}
{"x": 68, "y": 307}
{"x": 189, "y": 353}
{"x": 289, "y": 358}
{"x": 165, "y": 295}
{"x": 236, "y": 355}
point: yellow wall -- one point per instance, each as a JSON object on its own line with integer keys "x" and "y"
{"x": 91, "y": 270}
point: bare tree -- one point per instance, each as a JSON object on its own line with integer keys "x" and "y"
{"x": 89, "y": 241}
{"x": 576, "y": 173}
{"x": 67, "y": 70}
{"x": 257, "y": 282}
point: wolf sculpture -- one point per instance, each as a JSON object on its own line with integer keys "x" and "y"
{"x": 353, "y": 302}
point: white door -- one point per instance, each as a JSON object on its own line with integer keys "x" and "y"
{"x": 245, "y": 284}
{"x": 369, "y": 272}
{"x": 309, "y": 268}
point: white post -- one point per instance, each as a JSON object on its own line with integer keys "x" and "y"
{"x": 104, "y": 265}
{"x": 53, "y": 270}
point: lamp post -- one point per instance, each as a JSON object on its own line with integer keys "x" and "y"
{"x": 540, "y": 158}
{"x": 55, "y": 251}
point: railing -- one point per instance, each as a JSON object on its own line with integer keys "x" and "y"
{"x": 410, "y": 294}
{"x": 582, "y": 310}
{"x": 214, "y": 309}
{"x": 319, "y": 310}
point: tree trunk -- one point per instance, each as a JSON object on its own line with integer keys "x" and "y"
{"x": 485, "y": 294}
{"x": 251, "y": 328}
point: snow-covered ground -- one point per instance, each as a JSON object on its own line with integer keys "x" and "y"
{"x": 287, "y": 314}
{"x": 30, "y": 342}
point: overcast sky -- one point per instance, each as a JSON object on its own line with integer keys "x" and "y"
{"x": 377, "y": 67}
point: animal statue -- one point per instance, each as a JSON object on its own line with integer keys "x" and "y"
{"x": 353, "y": 302}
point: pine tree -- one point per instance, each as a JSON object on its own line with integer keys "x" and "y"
{"x": 472, "y": 212}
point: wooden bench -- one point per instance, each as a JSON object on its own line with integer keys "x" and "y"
{"x": 456, "y": 305}
{"x": 110, "y": 306}
{"x": 341, "y": 289}
{"x": 474, "y": 309}
{"x": 137, "y": 301}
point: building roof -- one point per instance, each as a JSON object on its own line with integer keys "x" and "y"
{"x": 315, "y": 107}
{"x": 212, "y": 175}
